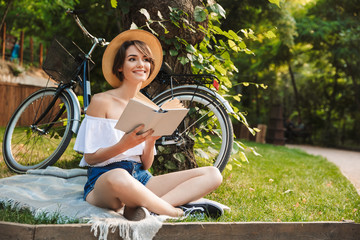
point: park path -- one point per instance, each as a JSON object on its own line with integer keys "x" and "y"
{"x": 347, "y": 161}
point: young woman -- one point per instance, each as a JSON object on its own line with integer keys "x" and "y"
{"x": 117, "y": 161}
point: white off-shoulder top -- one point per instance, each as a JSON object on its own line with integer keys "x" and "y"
{"x": 95, "y": 133}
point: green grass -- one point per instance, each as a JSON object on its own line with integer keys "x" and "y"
{"x": 282, "y": 185}
{"x": 287, "y": 185}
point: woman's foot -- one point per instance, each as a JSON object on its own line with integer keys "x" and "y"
{"x": 209, "y": 209}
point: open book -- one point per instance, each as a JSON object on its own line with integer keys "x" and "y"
{"x": 141, "y": 110}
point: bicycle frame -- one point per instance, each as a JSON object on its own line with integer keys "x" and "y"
{"x": 82, "y": 76}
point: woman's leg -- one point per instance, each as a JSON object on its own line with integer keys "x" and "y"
{"x": 117, "y": 187}
{"x": 182, "y": 187}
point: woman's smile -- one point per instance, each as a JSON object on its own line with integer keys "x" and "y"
{"x": 136, "y": 66}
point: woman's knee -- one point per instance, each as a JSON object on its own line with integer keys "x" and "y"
{"x": 214, "y": 176}
{"x": 119, "y": 179}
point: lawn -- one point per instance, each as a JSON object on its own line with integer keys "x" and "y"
{"x": 281, "y": 185}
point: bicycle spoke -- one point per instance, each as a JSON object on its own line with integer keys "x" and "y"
{"x": 27, "y": 145}
{"x": 206, "y": 130}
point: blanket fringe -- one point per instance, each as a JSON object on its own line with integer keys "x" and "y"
{"x": 144, "y": 229}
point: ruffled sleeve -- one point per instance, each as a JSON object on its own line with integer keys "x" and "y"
{"x": 96, "y": 133}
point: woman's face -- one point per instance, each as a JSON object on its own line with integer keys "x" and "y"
{"x": 136, "y": 67}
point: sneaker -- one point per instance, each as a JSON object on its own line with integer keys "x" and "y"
{"x": 210, "y": 209}
{"x": 195, "y": 212}
{"x": 135, "y": 214}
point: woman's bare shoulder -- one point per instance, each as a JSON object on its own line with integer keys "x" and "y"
{"x": 99, "y": 105}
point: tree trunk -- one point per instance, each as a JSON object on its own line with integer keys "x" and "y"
{"x": 5, "y": 13}
{"x": 171, "y": 157}
{"x": 297, "y": 102}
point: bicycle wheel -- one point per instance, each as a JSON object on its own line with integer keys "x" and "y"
{"x": 207, "y": 124}
{"x": 39, "y": 131}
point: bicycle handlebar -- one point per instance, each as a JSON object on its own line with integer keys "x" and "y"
{"x": 100, "y": 41}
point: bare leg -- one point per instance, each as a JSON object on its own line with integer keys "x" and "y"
{"x": 118, "y": 187}
{"x": 182, "y": 187}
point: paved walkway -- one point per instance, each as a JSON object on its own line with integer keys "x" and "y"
{"x": 347, "y": 161}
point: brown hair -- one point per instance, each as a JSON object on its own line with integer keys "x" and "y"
{"x": 121, "y": 55}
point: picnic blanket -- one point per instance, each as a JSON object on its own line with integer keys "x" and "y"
{"x": 58, "y": 192}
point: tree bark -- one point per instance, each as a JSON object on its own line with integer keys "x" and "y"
{"x": 155, "y": 6}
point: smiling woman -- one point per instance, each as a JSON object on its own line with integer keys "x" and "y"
{"x": 138, "y": 60}
{"x": 118, "y": 162}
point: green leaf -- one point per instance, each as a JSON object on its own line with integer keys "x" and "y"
{"x": 263, "y": 86}
{"x": 160, "y": 149}
{"x": 243, "y": 157}
{"x": 270, "y": 34}
{"x": 220, "y": 69}
{"x": 233, "y": 46}
{"x": 133, "y": 26}
{"x": 233, "y": 67}
{"x": 201, "y": 153}
{"x": 191, "y": 57}
{"x": 180, "y": 157}
{"x": 208, "y": 138}
{"x": 242, "y": 45}
{"x": 170, "y": 165}
{"x": 160, "y": 159}
{"x": 217, "y": 8}
{"x": 200, "y": 58}
{"x": 234, "y": 35}
{"x": 160, "y": 15}
{"x": 144, "y": 12}
{"x": 237, "y": 98}
{"x": 183, "y": 60}
{"x": 239, "y": 145}
{"x": 190, "y": 48}
{"x": 198, "y": 65}
{"x": 113, "y": 3}
{"x": 163, "y": 26}
{"x": 199, "y": 14}
{"x": 248, "y": 51}
{"x": 218, "y": 30}
{"x": 277, "y": 2}
{"x": 173, "y": 52}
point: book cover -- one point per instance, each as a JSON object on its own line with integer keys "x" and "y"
{"x": 162, "y": 120}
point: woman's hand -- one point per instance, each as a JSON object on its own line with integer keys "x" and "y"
{"x": 133, "y": 139}
{"x": 128, "y": 141}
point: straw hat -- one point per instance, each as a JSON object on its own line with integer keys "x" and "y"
{"x": 114, "y": 46}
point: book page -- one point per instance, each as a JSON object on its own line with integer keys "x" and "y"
{"x": 138, "y": 112}
{"x": 141, "y": 97}
{"x": 135, "y": 114}
{"x": 169, "y": 121}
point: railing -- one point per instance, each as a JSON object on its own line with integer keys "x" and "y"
{"x": 26, "y": 53}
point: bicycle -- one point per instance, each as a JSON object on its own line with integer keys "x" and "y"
{"x": 42, "y": 127}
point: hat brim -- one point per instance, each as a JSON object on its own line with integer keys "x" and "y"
{"x": 129, "y": 35}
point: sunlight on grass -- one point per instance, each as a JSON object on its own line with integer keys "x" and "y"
{"x": 286, "y": 185}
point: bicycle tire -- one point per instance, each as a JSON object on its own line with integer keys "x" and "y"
{"x": 27, "y": 145}
{"x": 204, "y": 102}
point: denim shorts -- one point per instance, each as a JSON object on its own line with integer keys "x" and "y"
{"x": 134, "y": 169}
